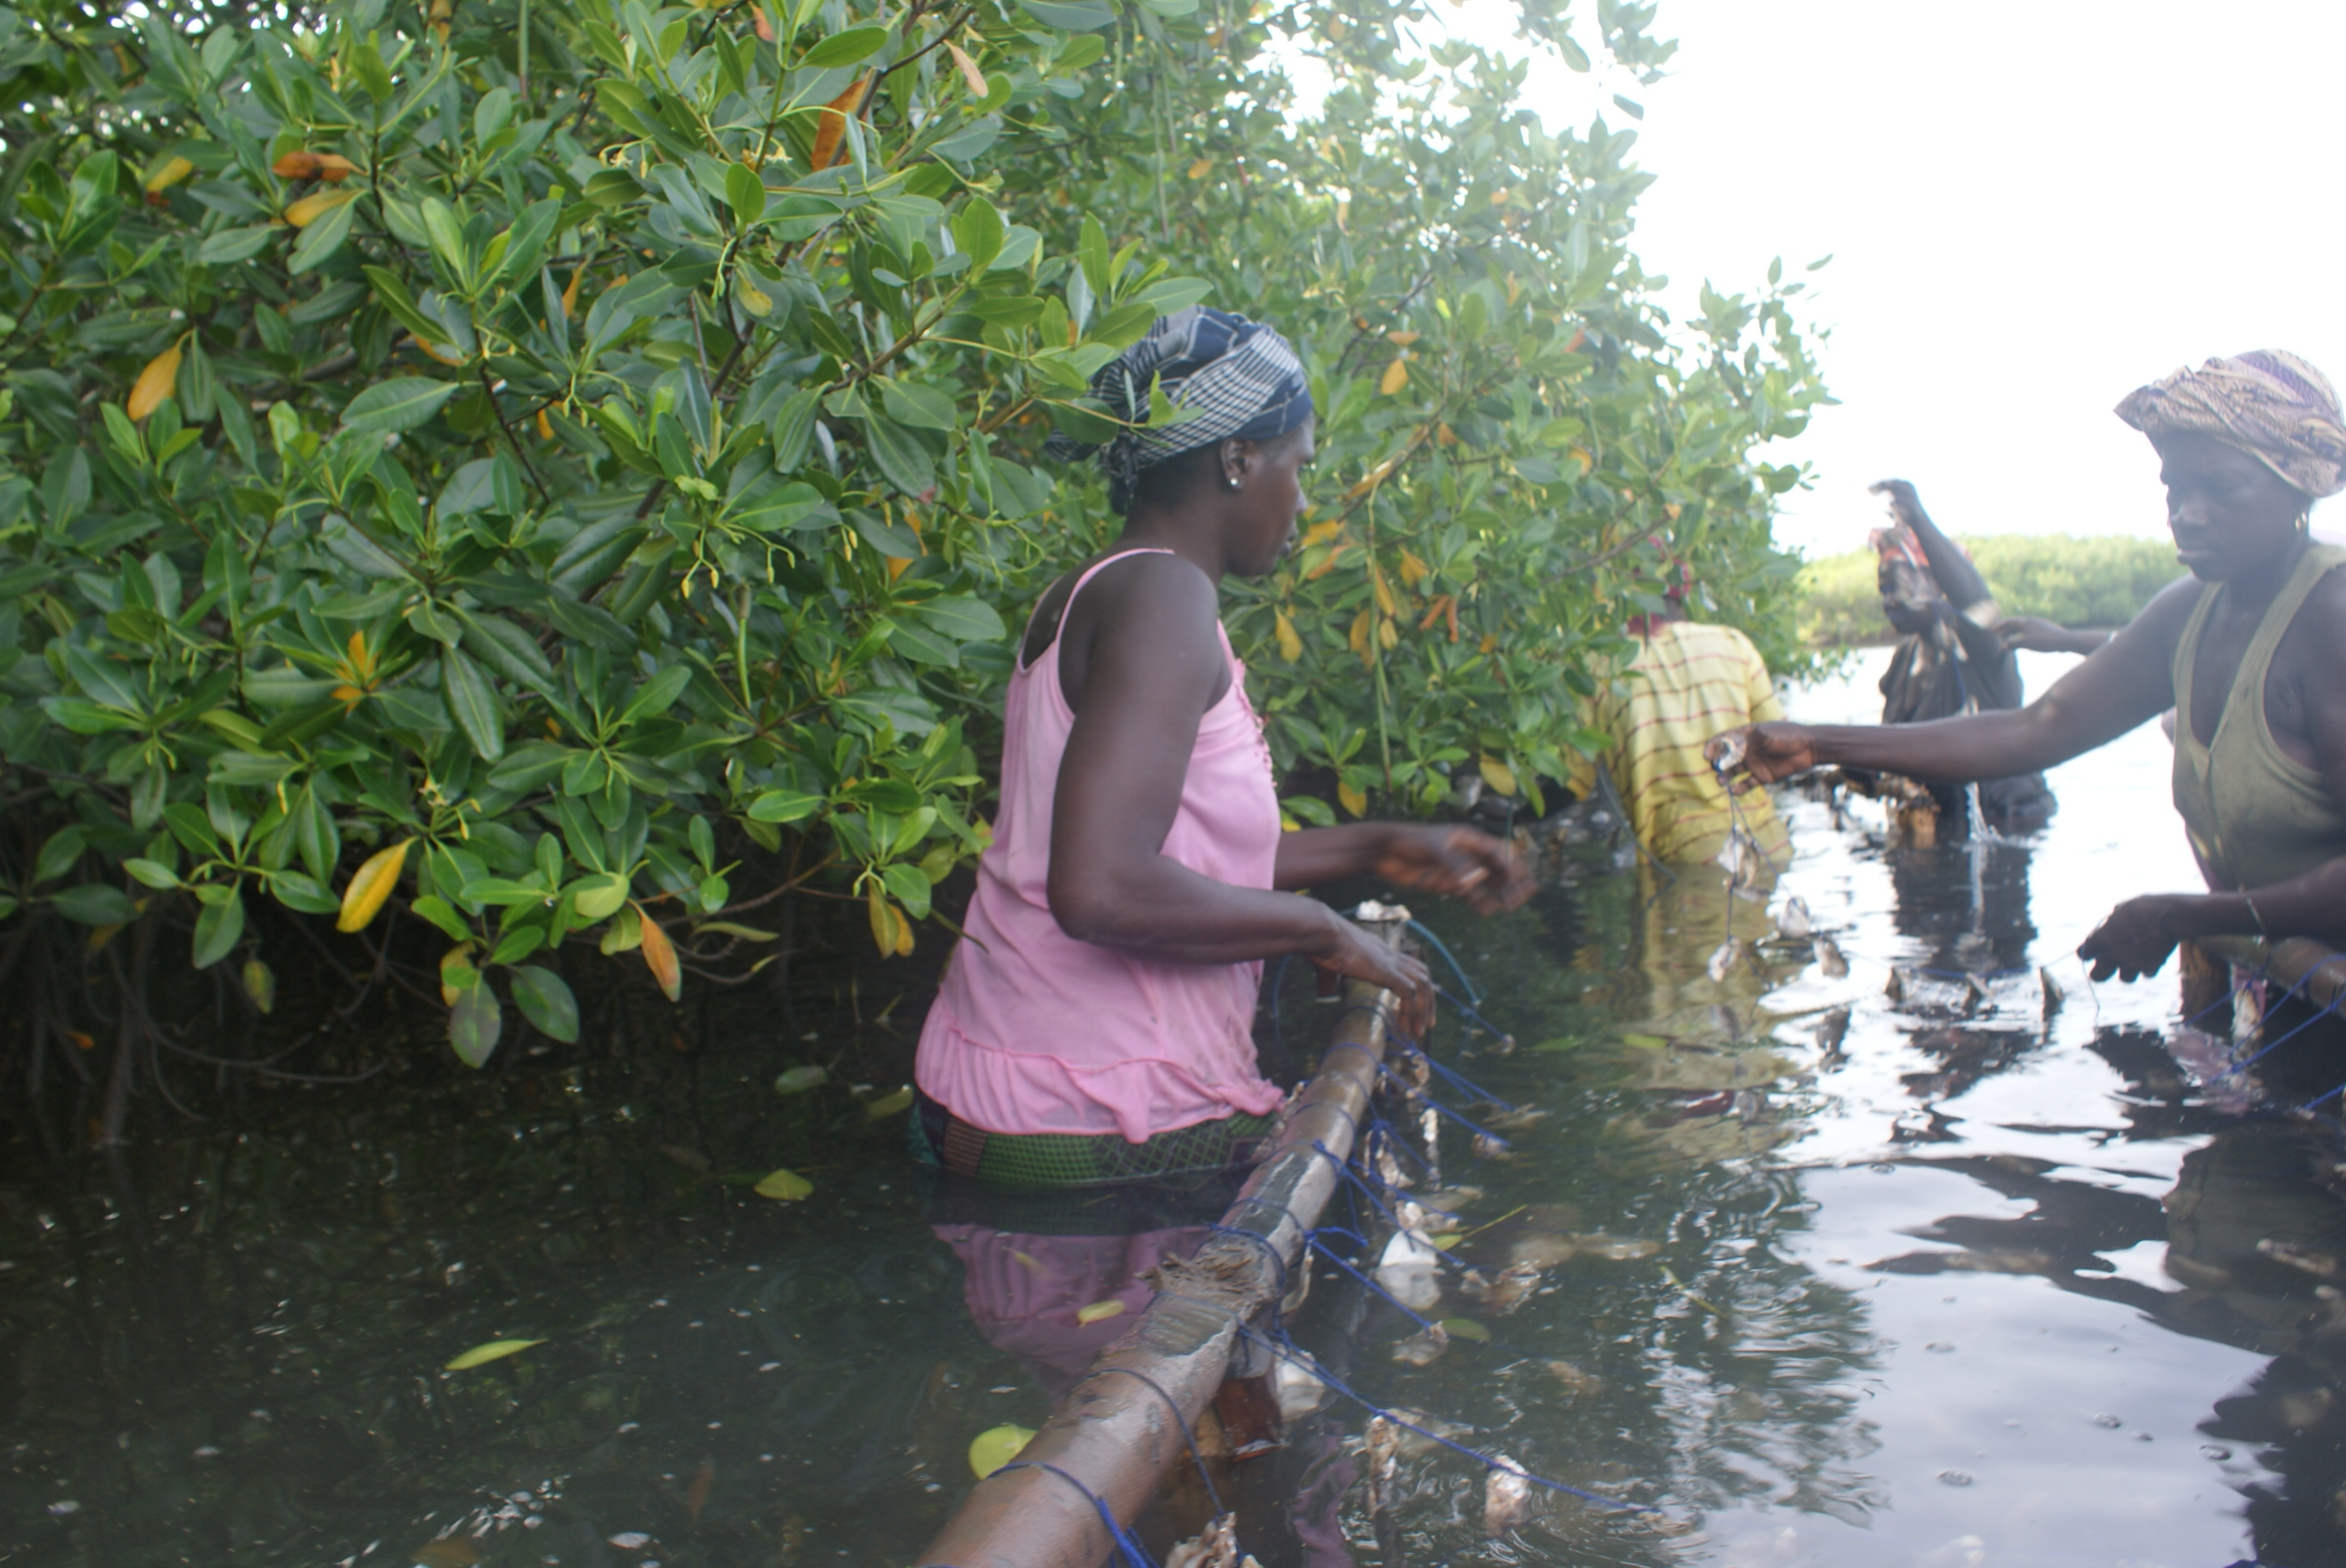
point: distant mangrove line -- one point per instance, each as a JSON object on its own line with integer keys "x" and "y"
{"x": 2102, "y": 581}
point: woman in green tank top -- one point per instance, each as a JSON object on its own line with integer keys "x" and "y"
{"x": 2249, "y": 650}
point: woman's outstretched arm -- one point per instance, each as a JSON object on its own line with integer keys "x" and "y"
{"x": 2127, "y": 682}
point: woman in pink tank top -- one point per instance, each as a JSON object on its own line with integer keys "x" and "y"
{"x": 1095, "y": 1024}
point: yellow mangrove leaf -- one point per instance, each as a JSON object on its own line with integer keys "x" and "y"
{"x": 495, "y": 1350}
{"x": 155, "y": 382}
{"x": 167, "y": 174}
{"x": 311, "y": 208}
{"x": 371, "y": 885}
{"x": 659, "y": 956}
{"x": 992, "y": 1449}
{"x": 972, "y": 77}
{"x": 786, "y": 1185}
{"x": 1100, "y": 1311}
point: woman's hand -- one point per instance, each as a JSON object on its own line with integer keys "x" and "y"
{"x": 2037, "y": 635}
{"x": 1355, "y": 953}
{"x": 1454, "y": 863}
{"x": 1764, "y": 752}
{"x": 2137, "y": 938}
{"x": 1905, "y": 503}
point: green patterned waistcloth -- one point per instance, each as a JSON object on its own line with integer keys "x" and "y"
{"x": 1037, "y": 1161}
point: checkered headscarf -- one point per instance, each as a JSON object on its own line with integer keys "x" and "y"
{"x": 2271, "y": 405}
{"x": 1236, "y": 380}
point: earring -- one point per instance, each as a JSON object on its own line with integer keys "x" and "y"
{"x": 1231, "y": 482}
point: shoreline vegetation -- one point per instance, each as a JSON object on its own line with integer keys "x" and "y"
{"x": 2097, "y": 582}
{"x": 494, "y": 502}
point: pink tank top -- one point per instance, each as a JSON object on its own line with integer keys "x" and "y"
{"x": 1033, "y": 1032}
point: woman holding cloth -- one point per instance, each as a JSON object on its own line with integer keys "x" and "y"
{"x": 1095, "y": 1023}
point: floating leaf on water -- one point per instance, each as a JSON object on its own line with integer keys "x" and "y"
{"x": 1215, "y": 1547}
{"x": 1722, "y": 958}
{"x": 1619, "y": 1248}
{"x": 1099, "y": 1311}
{"x": 1423, "y": 1346}
{"x": 1792, "y": 922}
{"x": 1642, "y": 1042}
{"x": 690, "y": 1160}
{"x": 1573, "y": 1379}
{"x": 1830, "y": 962}
{"x": 495, "y": 1350}
{"x": 696, "y": 1496}
{"x": 786, "y": 1185}
{"x": 1507, "y": 1496}
{"x": 994, "y": 1447}
{"x": 799, "y": 1080}
{"x": 1384, "y": 1449}
{"x": 630, "y": 1540}
{"x": 1466, "y": 1329}
{"x": 1542, "y": 1249}
{"x": 889, "y": 1105}
{"x": 1508, "y": 1290}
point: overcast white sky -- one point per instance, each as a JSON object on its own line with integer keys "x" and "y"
{"x": 2031, "y": 207}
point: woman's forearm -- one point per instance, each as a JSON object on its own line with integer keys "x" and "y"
{"x": 1997, "y": 745}
{"x": 2312, "y": 904}
{"x": 1160, "y": 909}
{"x": 1957, "y": 577}
{"x": 1313, "y": 856}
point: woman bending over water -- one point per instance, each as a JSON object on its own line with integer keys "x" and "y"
{"x": 2250, "y": 651}
{"x": 1095, "y": 1024}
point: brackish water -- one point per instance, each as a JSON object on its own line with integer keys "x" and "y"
{"x": 1970, "y": 1278}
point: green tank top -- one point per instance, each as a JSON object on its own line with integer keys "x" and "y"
{"x": 2256, "y": 815}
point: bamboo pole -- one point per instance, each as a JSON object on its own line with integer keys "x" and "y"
{"x": 1116, "y": 1435}
{"x": 2300, "y": 963}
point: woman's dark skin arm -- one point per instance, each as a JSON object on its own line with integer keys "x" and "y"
{"x": 2141, "y": 932}
{"x": 2038, "y": 635}
{"x": 2126, "y": 683}
{"x": 1958, "y": 579}
{"x": 1146, "y": 665}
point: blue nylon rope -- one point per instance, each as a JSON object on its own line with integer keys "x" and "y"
{"x": 1360, "y": 1186}
{"x": 1179, "y": 1419}
{"x": 1477, "y": 1019}
{"x": 1276, "y": 1260}
{"x": 1135, "y": 1555}
{"x": 1325, "y": 1250}
{"x": 1455, "y": 1079}
{"x": 1449, "y": 958}
{"x": 1291, "y": 1352}
{"x": 1464, "y": 1121}
{"x": 2243, "y": 1066}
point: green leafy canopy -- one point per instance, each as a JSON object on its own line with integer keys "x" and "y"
{"x": 597, "y": 446}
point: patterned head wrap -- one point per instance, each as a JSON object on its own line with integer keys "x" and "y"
{"x": 1237, "y": 380}
{"x": 2271, "y": 405}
